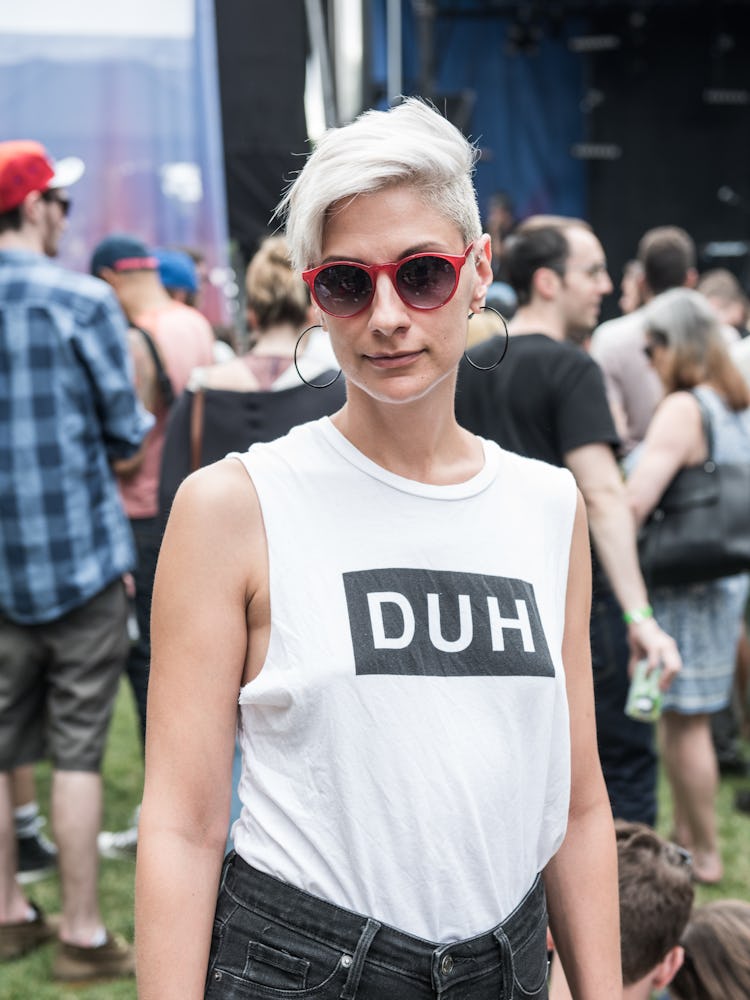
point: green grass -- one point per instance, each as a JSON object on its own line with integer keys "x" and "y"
{"x": 29, "y": 978}
{"x": 734, "y": 835}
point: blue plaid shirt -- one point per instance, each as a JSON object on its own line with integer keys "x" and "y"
{"x": 67, "y": 408}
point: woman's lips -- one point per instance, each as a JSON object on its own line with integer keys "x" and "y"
{"x": 396, "y": 360}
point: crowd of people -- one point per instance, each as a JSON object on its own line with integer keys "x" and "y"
{"x": 387, "y": 640}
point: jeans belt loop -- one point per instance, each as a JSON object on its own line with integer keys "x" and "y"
{"x": 506, "y": 957}
{"x": 355, "y": 972}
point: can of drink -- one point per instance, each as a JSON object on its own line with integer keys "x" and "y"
{"x": 134, "y": 633}
{"x": 644, "y": 697}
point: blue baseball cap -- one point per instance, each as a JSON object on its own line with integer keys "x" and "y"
{"x": 177, "y": 270}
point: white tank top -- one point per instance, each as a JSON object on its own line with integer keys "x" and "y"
{"x": 406, "y": 743}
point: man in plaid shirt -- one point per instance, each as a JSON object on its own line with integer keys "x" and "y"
{"x": 69, "y": 418}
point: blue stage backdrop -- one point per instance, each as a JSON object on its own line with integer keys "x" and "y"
{"x": 521, "y": 104}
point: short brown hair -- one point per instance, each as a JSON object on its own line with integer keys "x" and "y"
{"x": 717, "y": 953}
{"x": 539, "y": 241}
{"x": 667, "y": 254}
{"x": 11, "y": 221}
{"x": 656, "y": 894}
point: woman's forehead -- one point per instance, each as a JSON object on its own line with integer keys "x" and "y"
{"x": 391, "y": 219}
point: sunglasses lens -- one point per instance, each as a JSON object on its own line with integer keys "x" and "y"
{"x": 343, "y": 289}
{"x": 426, "y": 282}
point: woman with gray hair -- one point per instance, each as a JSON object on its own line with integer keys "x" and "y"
{"x": 400, "y": 610}
{"x": 687, "y": 350}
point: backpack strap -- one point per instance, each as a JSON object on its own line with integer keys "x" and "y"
{"x": 196, "y": 428}
{"x": 166, "y": 389}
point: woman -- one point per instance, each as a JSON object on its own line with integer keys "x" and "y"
{"x": 717, "y": 953}
{"x": 686, "y": 348}
{"x": 401, "y": 610}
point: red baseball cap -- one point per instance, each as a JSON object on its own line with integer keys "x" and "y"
{"x": 25, "y": 166}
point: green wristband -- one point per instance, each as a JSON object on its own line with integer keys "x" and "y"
{"x": 638, "y": 615}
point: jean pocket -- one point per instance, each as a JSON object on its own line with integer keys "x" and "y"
{"x": 259, "y": 957}
{"x": 530, "y": 964}
{"x": 271, "y": 963}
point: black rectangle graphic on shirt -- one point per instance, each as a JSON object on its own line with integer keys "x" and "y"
{"x": 444, "y": 623}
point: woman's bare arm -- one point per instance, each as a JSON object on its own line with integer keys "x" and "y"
{"x": 213, "y": 563}
{"x": 581, "y": 879}
{"x": 674, "y": 439}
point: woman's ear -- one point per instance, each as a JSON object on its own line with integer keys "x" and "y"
{"x": 315, "y": 316}
{"x": 483, "y": 278}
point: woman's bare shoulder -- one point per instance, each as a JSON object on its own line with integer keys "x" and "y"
{"x": 678, "y": 412}
{"x": 216, "y": 500}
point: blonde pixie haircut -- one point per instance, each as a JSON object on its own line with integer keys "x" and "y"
{"x": 409, "y": 144}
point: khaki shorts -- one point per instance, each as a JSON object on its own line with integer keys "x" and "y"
{"x": 58, "y": 683}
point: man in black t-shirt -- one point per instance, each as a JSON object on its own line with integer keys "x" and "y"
{"x": 544, "y": 401}
{"x": 547, "y": 401}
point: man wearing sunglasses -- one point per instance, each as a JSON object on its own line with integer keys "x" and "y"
{"x": 69, "y": 417}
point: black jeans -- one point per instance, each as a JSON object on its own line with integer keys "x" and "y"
{"x": 626, "y": 747}
{"x": 147, "y": 532}
{"x": 274, "y": 941}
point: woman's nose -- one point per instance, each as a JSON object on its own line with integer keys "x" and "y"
{"x": 387, "y": 311}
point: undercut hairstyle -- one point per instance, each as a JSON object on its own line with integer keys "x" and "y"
{"x": 656, "y": 895}
{"x": 684, "y": 321}
{"x": 275, "y": 292}
{"x": 667, "y": 254}
{"x": 717, "y": 953}
{"x": 411, "y": 144}
{"x": 540, "y": 241}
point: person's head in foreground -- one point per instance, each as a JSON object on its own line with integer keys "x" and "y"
{"x": 656, "y": 894}
{"x": 717, "y": 953}
{"x": 383, "y": 222}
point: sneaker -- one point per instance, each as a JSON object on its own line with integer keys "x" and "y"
{"x": 110, "y": 960}
{"x": 17, "y": 939}
{"x": 121, "y": 844}
{"x": 37, "y": 857}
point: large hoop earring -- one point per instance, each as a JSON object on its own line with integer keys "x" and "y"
{"x": 489, "y": 368}
{"x": 313, "y": 385}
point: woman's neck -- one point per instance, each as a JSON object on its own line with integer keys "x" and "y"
{"x": 276, "y": 340}
{"x": 420, "y": 440}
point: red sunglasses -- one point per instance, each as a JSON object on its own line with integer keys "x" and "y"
{"x": 423, "y": 281}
